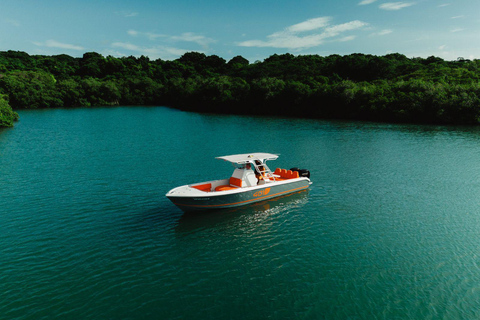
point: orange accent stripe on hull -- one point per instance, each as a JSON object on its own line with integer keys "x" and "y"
{"x": 234, "y": 203}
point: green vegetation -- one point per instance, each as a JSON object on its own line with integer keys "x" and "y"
{"x": 390, "y": 88}
{"x": 7, "y": 115}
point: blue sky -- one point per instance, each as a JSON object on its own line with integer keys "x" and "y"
{"x": 253, "y": 29}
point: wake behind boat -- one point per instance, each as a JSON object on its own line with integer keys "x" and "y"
{"x": 251, "y": 181}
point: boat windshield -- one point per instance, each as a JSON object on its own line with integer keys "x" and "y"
{"x": 239, "y": 165}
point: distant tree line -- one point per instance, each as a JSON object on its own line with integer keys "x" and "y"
{"x": 390, "y": 88}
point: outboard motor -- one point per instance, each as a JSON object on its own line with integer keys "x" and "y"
{"x": 302, "y": 172}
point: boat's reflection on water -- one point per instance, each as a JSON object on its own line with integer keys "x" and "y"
{"x": 197, "y": 220}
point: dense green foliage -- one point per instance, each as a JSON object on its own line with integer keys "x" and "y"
{"x": 7, "y": 115}
{"x": 390, "y": 88}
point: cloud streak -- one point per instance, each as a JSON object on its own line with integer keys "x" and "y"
{"x": 307, "y": 34}
{"x": 391, "y": 6}
{"x": 164, "y": 52}
{"x": 59, "y": 45}
{"x": 184, "y": 37}
{"x": 126, "y": 45}
{"x": 309, "y": 25}
{"x": 150, "y": 35}
{"x": 166, "y": 48}
{"x": 347, "y": 38}
{"x": 365, "y": 2}
{"x": 192, "y": 37}
{"x": 382, "y": 32}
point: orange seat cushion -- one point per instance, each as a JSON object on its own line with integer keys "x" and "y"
{"x": 204, "y": 187}
{"x": 235, "y": 182}
{"x": 224, "y": 188}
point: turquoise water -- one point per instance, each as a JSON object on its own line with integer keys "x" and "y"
{"x": 390, "y": 229}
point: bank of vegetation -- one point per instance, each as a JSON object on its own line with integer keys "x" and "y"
{"x": 391, "y": 88}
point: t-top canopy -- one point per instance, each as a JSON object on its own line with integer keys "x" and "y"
{"x": 248, "y": 157}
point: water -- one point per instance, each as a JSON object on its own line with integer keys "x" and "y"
{"x": 390, "y": 229}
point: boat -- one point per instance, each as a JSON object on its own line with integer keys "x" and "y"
{"x": 251, "y": 181}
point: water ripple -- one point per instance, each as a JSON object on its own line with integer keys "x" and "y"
{"x": 389, "y": 229}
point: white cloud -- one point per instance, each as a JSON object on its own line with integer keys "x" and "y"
{"x": 384, "y": 32}
{"x": 336, "y": 30}
{"x": 305, "y": 34}
{"x": 442, "y": 47}
{"x": 154, "y": 36}
{"x": 114, "y": 53}
{"x": 347, "y": 38}
{"x": 163, "y": 52}
{"x": 457, "y": 30}
{"x": 286, "y": 41}
{"x": 457, "y": 17}
{"x": 395, "y": 5}
{"x": 364, "y": 2}
{"x": 56, "y": 44}
{"x": 444, "y": 5}
{"x": 150, "y": 35}
{"x": 253, "y": 43}
{"x": 312, "y": 24}
{"x": 126, "y": 45}
{"x": 192, "y": 37}
{"x": 186, "y": 37}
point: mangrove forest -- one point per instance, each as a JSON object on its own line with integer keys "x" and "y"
{"x": 390, "y": 88}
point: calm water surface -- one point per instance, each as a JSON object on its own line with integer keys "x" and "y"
{"x": 390, "y": 229}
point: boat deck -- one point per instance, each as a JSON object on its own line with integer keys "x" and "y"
{"x": 234, "y": 183}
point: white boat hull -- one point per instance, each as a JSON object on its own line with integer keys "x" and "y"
{"x": 189, "y": 198}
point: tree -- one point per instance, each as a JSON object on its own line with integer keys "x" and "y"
{"x": 194, "y": 58}
{"x": 92, "y": 64}
{"x": 238, "y": 61}
{"x": 31, "y": 89}
{"x": 7, "y": 115}
{"x": 357, "y": 86}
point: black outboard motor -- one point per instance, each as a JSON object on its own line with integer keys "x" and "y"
{"x": 302, "y": 172}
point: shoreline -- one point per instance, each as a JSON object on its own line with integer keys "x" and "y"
{"x": 333, "y": 120}
{"x": 359, "y": 87}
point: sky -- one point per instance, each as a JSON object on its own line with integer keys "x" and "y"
{"x": 254, "y": 29}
